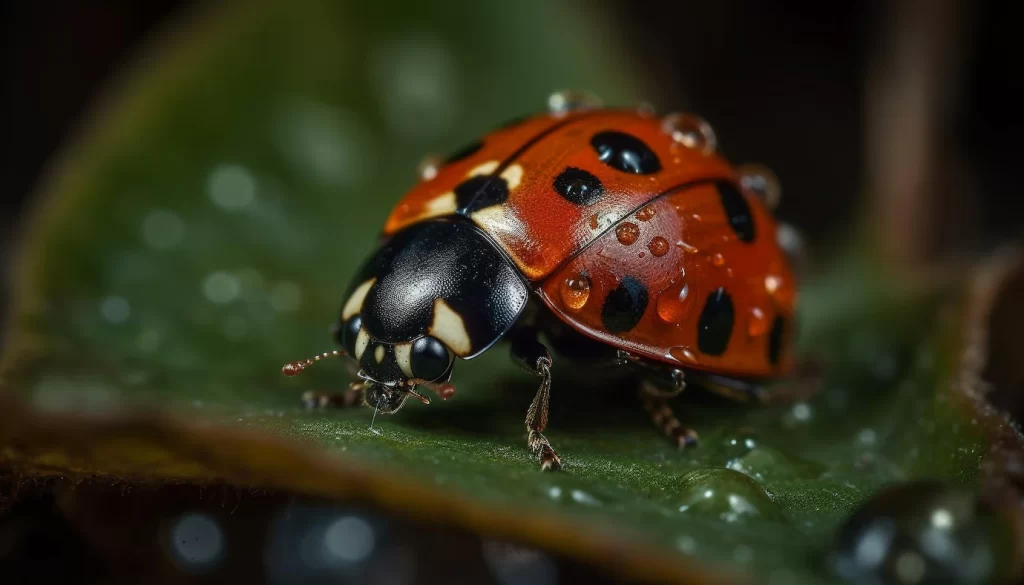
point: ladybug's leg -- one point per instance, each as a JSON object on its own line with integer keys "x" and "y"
{"x": 532, "y": 356}
{"x": 351, "y": 397}
{"x": 655, "y": 401}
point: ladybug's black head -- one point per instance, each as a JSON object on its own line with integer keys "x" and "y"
{"x": 432, "y": 292}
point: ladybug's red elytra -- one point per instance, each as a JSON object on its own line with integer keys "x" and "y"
{"x": 615, "y": 234}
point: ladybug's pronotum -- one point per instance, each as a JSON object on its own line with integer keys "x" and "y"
{"x": 580, "y": 225}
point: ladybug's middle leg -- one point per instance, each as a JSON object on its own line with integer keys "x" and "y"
{"x": 532, "y": 356}
{"x": 655, "y": 402}
{"x": 322, "y": 400}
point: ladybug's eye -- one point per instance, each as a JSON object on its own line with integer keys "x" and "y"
{"x": 429, "y": 358}
{"x": 348, "y": 333}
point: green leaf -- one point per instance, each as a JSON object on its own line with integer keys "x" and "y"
{"x": 200, "y": 232}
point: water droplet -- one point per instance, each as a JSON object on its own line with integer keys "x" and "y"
{"x": 772, "y": 284}
{"x": 658, "y": 246}
{"x": 582, "y": 497}
{"x": 428, "y": 167}
{"x": 761, "y": 180}
{"x": 627, "y": 233}
{"x": 758, "y": 323}
{"x": 718, "y": 260}
{"x": 197, "y": 543}
{"x": 690, "y": 131}
{"x": 285, "y": 297}
{"x": 231, "y": 187}
{"x": 115, "y": 309}
{"x": 802, "y": 412}
{"x": 741, "y": 443}
{"x": 563, "y": 102}
{"x": 674, "y": 303}
{"x": 682, "y": 354}
{"x": 687, "y": 247}
{"x": 575, "y": 291}
{"x": 646, "y": 213}
{"x": 162, "y": 229}
{"x": 349, "y": 539}
{"x": 762, "y": 462}
{"x": 726, "y": 494}
{"x": 221, "y": 287}
{"x": 922, "y": 533}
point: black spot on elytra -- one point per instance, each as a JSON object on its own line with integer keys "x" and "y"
{"x": 714, "y": 328}
{"x": 737, "y": 210}
{"x": 775, "y": 340}
{"x": 625, "y": 153}
{"x": 579, "y": 186}
{"x": 479, "y": 192}
{"x": 624, "y": 306}
{"x": 464, "y": 152}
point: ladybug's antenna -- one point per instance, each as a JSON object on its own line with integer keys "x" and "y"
{"x": 445, "y": 390}
{"x": 296, "y": 368}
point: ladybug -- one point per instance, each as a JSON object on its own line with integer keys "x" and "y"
{"x": 616, "y": 236}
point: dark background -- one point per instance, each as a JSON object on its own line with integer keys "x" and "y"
{"x": 795, "y": 84}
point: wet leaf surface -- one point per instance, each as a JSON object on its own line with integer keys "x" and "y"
{"x": 201, "y": 234}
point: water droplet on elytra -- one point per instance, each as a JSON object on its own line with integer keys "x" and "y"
{"x": 575, "y": 291}
{"x": 646, "y": 213}
{"x": 688, "y": 248}
{"x": 674, "y": 303}
{"x": 563, "y": 102}
{"x": 761, "y": 180}
{"x": 627, "y": 233}
{"x": 428, "y": 167}
{"x": 690, "y": 131}
{"x": 718, "y": 260}
{"x": 683, "y": 354}
{"x": 658, "y": 246}
{"x": 758, "y": 323}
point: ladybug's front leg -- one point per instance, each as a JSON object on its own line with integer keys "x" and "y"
{"x": 321, "y": 400}
{"x": 532, "y": 356}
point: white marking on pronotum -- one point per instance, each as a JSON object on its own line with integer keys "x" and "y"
{"x": 513, "y": 175}
{"x": 378, "y": 354}
{"x": 483, "y": 169}
{"x": 449, "y": 328}
{"x": 355, "y": 302}
{"x": 403, "y": 351}
{"x": 362, "y": 340}
{"x": 442, "y": 204}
